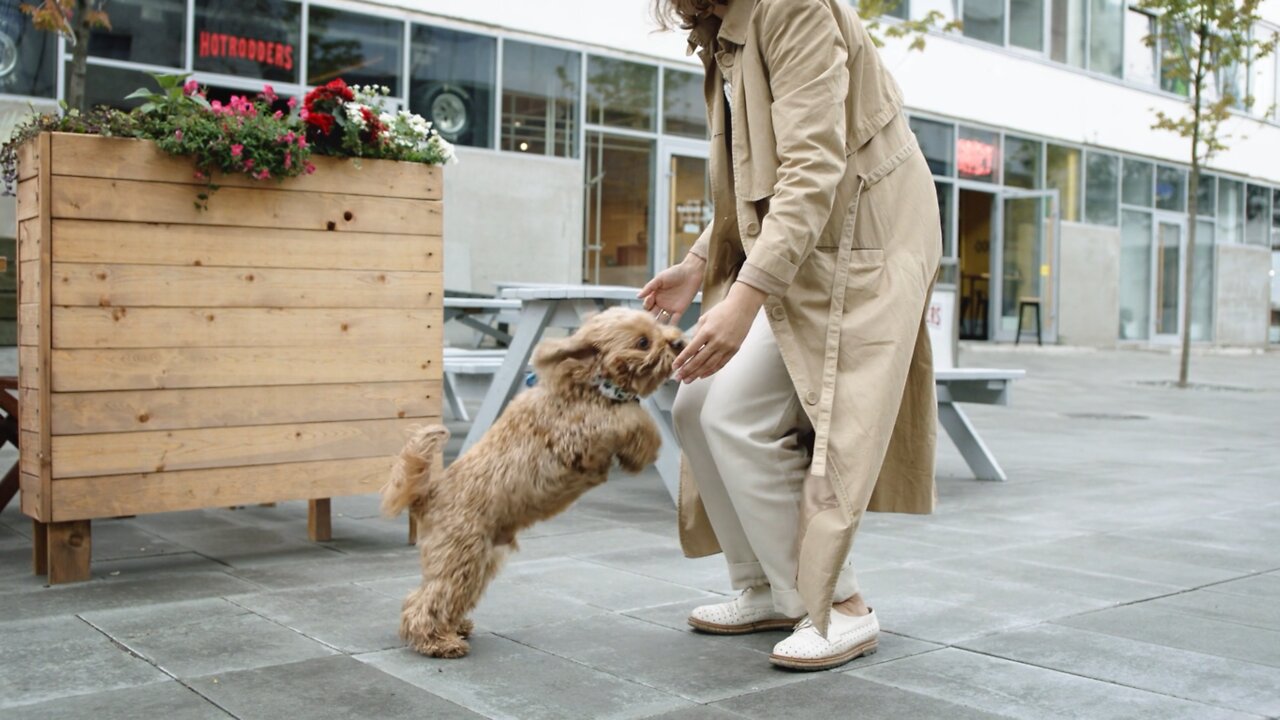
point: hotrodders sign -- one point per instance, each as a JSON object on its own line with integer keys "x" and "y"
{"x": 257, "y": 39}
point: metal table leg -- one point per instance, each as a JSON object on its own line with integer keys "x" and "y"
{"x": 975, "y": 452}
{"x": 534, "y": 316}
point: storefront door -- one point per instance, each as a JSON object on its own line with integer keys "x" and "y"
{"x": 618, "y": 242}
{"x": 684, "y": 199}
{"x": 1168, "y": 270}
{"x": 1025, "y": 263}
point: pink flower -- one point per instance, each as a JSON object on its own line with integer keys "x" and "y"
{"x": 216, "y": 106}
{"x": 309, "y": 168}
{"x": 177, "y": 135}
{"x": 262, "y": 174}
{"x": 201, "y": 176}
{"x": 293, "y": 103}
{"x": 190, "y": 88}
{"x": 269, "y": 93}
{"x": 288, "y": 160}
{"x": 278, "y": 114}
{"x": 248, "y": 164}
{"x": 236, "y": 150}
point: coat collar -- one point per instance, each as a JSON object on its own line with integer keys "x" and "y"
{"x": 733, "y": 28}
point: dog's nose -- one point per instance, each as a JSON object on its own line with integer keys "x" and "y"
{"x": 678, "y": 344}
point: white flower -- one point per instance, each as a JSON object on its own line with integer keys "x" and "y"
{"x": 354, "y": 113}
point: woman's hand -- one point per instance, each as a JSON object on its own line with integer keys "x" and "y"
{"x": 719, "y": 334}
{"x": 673, "y": 289}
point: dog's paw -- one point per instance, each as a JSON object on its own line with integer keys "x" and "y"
{"x": 465, "y": 628}
{"x": 441, "y": 646}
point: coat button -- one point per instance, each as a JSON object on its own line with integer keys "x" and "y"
{"x": 811, "y": 397}
{"x": 726, "y": 60}
{"x": 778, "y": 313}
{"x": 753, "y": 228}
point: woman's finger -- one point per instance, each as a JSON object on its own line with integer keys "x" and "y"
{"x": 698, "y": 362}
{"x": 649, "y": 288}
{"x": 704, "y": 365}
{"x": 690, "y": 350}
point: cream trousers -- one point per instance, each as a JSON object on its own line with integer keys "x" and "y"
{"x": 740, "y": 433}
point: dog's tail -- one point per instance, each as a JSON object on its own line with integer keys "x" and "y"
{"x": 410, "y": 478}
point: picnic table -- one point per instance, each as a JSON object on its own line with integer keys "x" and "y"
{"x": 468, "y": 311}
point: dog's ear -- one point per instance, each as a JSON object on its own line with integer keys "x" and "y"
{"x": 551, "y": 353}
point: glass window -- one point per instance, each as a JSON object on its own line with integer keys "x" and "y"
{"x": 27, "y": 55}
{"x": 978, "y": 155}
{"x": 1021, "y": 162}
{"x": 1106, "y": 35}
{"x": 1257, "y": 215}
{"x": 1135, "y": 275}
{"x": 1230, "y": 211}
{"x": 984, "y": 20}
{"x": 1137, "y": 183}
{"x": 945, "y": 211}
{"x": 1026, "y": 24}
{"x": 1139, "y": 60}
{"x": 361, "y": 49}
{"x": 144, "y": 31}
{"x": 619, "y": 247}
{"x": 1102, "y": 189}
{"x": 1171, "y": 188}
{"x": 1067, "y": 41}
{"x": 684, "y": 109}
{"x": 257, "y": 39}
{"x": 108, "y": 86}
{"x": 936, "y": 141}
{"x": 1206, "y": 196}
{"x": 1173, "y": 68}
{"x": 1275, "y": 208}
{"x": 1262, "y": 79}
{"x": 1201, "y": 294}
{"x": 451, "y": 83}
{"x": 900, "y": 9}
{"x": 1063, "y": 172}
{"x": 540, "y": 99}
{"x": 621, "y": 93}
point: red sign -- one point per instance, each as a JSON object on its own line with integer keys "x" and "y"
{"x": 975, "y": 158}
{"x": 263, "y": 51}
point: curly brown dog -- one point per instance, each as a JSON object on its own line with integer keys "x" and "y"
{"x": 552, "y": 444}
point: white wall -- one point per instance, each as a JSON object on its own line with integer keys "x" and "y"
{"x": 510, "y": 217}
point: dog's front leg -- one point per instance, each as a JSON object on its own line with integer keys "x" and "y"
{"x": 639, "y": 444}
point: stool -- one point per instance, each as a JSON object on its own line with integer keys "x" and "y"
{"x": 1023, "y": 304}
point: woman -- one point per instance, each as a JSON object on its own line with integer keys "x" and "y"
{"x": 808, "y": 395}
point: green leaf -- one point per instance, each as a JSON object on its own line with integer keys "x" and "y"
{"x": 139, "y": 94}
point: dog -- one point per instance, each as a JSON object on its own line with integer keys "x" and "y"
{"x": 552, "y": 444}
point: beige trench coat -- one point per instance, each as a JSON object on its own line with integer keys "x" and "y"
{"x": 826, "y": 203}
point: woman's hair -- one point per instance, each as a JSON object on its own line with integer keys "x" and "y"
{"x": 681, "y": 13}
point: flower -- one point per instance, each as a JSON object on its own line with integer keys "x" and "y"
{"x": 236, "y": 149}
{"x": 262, "y": 174}
{"x": 288, "y": 160}
{"x": 191, "y": 87}
{"x": 309, "y": 168}
{"x": 277, "y": 114}
{"x": 292, "y": 103}
{"x": 269, "y": 93}
{"x": 321, "y": 121}
{"x": 177, "y": 135}
{"x": 248, "y": 164}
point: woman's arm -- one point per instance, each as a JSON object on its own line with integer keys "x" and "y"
{"x": 806, "y": 57}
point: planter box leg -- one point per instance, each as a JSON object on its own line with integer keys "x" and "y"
{"x": 69, "y": 549}
{"x": 413, "y": 529}
{"x": 39, "y": 548}
{"x": 319, "y": 528}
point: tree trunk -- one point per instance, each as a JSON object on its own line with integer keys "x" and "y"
{"x": 79, "y": 58}
{"x": 1193, "y": 207}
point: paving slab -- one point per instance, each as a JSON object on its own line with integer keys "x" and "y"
{"x": 332, "y": 688}
{"x": 1009, "y": 688}
{"x": 1265, "y": 586}
{"x": 1260, "y": 612}
{"x": 1207, "y": 679}
{"x": 334, "y": 569}
{"x": 505, "y": 679}
{"x": 243, "y": 546}
{"x": 660, "y": 657}
{"x": 1185, "y": 631}
{"x": 995, "y": 566}
{"x": 164, "y": 700}
{"x": 109, "y": 593}
{"x": 49, "y": 658}
{"x": 201, "y": 637}
{"x": 839, "y": 696}
{"x": 598, "y": 585}
{"x": 349, "y": 618}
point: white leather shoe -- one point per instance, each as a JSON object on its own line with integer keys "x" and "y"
{"x": 752, "y": 611}
{"x": 848, "y": 637}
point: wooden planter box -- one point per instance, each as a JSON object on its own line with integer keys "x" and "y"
{"x": 271, "y": 347}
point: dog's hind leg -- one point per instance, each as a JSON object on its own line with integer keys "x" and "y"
{"x": 456, "y": 568}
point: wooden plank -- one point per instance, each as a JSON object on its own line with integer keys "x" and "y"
{"x": 91, "y": 497}
{"x": 29, "y": 367}
{"x": 28, "y": 199}
{"x": 148, "y": 202}
{"x": 128, "y": 159}
{"x": 200, "y": 245}
{"x": 29, "y": 281}
{"x": 119, "y": 327}
{"x": 29, "y": 452}
{"x": 29, "y": 234}
{"x": 29, "y": 324}
{"x": 134, "y": 410}
{"x": 29, "y": 160}
{"x": 42, "y": 368}
{"x": 70, "y": 545}
{"x": 134, "y": 286}
{"x": 145, "y": 452}
{"x": 158, "y": 368}
{"x": 319, "y": 523}
{"x": 29, "y": 401}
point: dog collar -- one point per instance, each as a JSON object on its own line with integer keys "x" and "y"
{"x": 610, "y": 390}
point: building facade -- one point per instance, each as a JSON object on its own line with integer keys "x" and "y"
{"x": 582, "y": 140}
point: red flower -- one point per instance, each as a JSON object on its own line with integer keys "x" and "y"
{"x": 321, "y": 121}
{"x": 372, "y": 122}
{"x": 339, "y": 88}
